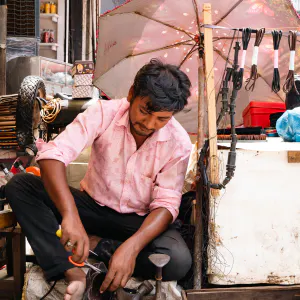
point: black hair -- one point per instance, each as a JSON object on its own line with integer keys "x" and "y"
{"x": 166, "y": 85}
{"x": 292, "y": 99}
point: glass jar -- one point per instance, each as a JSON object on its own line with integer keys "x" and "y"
{"x": 47, "y": 8}
{"x": 53, "y": 8}
{"x": 51, "y": 36}
{"x": 46, "y": 36}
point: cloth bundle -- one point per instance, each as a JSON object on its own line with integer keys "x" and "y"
{"x": 288, "y": 125}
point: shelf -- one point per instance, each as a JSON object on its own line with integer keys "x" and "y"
{"x": 52, "y": 45}
{"x": 53, "y": 16}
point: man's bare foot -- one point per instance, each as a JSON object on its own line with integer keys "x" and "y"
{"x": 94, "y": 240}
{"x": 77, "y": 282}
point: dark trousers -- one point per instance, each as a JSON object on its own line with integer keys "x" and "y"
{"x": 39, "y": 219}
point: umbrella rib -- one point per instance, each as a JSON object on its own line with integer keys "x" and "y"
{"x": 166, "y": 24}
{"x": 230, "y": 10}
{"x": 162, "y": 48}
{"x": 187, "y": 55}
{"x": 197, "y": 15}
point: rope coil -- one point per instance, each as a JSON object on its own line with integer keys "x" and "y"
{"x": 246, "y": 36}
{"x": 250, "y": 82}
{"x": 290, "y": 80}
{"x": 276, "y": 76}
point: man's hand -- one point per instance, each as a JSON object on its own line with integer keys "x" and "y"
{"x": 121, "y": 267}
{"x": 74, "y": 232}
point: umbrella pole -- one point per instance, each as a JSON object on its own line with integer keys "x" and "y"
{"x": 205, "y": 80}
{"x": 211, "y": 97}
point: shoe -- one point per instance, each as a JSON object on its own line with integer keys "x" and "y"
{"x": 93, "y": 283}
{"x": 105, "y": 249}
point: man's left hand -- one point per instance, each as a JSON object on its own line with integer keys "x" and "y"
{"x": 121, "y": 267}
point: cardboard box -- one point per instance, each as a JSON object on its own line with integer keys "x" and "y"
{"x": 83, "y": 67}
{"x": 84, "y": 79}
{"x": 80, "y": 92}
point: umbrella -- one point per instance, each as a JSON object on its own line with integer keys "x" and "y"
{"x": 133, "y": 33}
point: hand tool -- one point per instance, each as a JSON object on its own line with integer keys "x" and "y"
{"x": 159, "y": 260}
{"x": 100, "y": 270}
{"x": 86, "y": 264}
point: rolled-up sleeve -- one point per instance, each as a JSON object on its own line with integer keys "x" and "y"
{"x": 77, "y": 136}
{"x": 169, "y": 182}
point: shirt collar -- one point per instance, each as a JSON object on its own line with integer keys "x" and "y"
{"x": 163, "y": 134}
{"x": 124, "y": 120}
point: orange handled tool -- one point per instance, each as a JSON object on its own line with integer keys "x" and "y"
{"x": 85, "y": 263}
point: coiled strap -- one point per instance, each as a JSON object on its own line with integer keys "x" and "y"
{"x": 276, "y": 76}
{"x": 250, "y": 82}
{"x": 290, "y": 81}
{"x": 246, "y": 36}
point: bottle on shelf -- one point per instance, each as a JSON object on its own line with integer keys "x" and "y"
{"x": 53, "y": 8}
{"x": 47, "y": 8}
{"x": 46, "y": 36}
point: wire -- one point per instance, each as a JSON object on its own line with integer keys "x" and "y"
{"x": 50, "y": 110}
{"x": 290, "y": 81}
{"x": 246, "y": 36}
{"x": 250, "y": 82}
{"x": 50, "y": 290}
{"x": 276, "y": 76}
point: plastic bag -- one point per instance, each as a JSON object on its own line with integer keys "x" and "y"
{"x": 288, "y": 125}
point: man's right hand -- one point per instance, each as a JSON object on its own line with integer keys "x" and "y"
{"x": 74, "y": 232}
{"x": 55, "y": 181}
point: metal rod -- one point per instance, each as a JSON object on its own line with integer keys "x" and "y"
{"x": 268, "y": 32}
{"x": 93, "y": 11}
{"x": 3, "y": 34}
{"x": 67, "y": 40}
{"x": 198, "y": 241}
{"x": 158, "y": 277}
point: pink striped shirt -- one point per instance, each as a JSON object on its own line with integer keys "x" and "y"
{"x": 120, "y": 176}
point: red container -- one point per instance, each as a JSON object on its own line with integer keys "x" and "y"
{"x": 258, "y": 113}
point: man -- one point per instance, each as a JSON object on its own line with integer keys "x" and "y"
{"x": 131, "y": 191}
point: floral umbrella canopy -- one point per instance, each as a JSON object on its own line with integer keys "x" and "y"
{"x": 132, "y": 34}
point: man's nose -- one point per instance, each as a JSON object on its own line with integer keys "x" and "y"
{"x": 150, "y": 123}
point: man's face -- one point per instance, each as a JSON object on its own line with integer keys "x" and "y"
{"x": 144, "y": 122}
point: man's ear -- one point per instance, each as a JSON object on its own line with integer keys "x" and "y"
{"x": 130, "y": 94}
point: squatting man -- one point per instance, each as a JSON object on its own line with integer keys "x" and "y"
{"x": 131, "y": 192}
